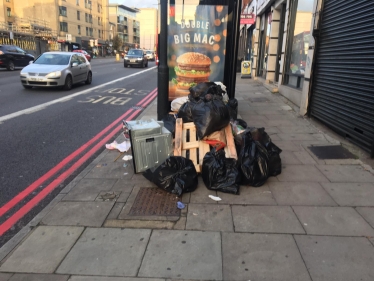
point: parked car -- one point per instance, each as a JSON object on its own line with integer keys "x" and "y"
{"x": 57, "y": 69}
{"x": 135, "y": 57}
{"x": 87, "y": 55}
{"x": 150, "y": 54}
{"x": 12, "y": 56}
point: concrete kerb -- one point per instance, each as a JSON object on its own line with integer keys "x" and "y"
{"x": 16, "y": 240}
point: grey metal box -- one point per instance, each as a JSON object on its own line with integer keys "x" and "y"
{"x": 151, "y": 143}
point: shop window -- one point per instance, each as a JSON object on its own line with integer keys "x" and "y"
{"x": 64, "y": 26}
{"x": 298, "y": 42}
{"x": 265, "y": 32}
{"x": 9, "y": 12}
{"x": 63, "y": 11}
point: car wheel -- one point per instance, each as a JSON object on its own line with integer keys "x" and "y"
{"x": 27, "y": 87}
{"x": 89, "y": 78}
{"x": 10, "y": 66}
{"x": 68, "y": 83}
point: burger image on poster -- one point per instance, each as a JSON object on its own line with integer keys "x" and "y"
{"x": 192, "y": 68}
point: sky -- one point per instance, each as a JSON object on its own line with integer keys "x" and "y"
{"x": 137, "y": 3}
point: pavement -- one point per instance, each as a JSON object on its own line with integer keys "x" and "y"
{"x": 314, "y": 221}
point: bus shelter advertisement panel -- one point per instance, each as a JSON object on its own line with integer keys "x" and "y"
{"x": 196, "y": 46}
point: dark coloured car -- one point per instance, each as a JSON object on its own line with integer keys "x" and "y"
{"x": 12, "y": 56}
{"x": 135, "y": 57}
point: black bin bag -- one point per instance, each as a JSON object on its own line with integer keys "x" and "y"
{"x": 185, "y": 111}
{"x": 232, "y": 104}
{"x": 210, "y": 116}
{"x": 220, "y": 173}
{"x": 275, "y": 162}
{"x": 200, "y": 90}
{"x": 176, "y": 175}
{"x": 169, "y": 123}
{"x": 253, "y": 161}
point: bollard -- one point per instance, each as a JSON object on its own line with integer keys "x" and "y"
{"x": 117, "y": 57}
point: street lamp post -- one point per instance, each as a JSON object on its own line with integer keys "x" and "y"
{"x": 163, "y": 69}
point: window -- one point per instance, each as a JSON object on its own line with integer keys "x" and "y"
{"x": 81, "y": 59}
{"x": 78, "y": 15}
{"x": 86, "y": 16}
{"x": 9, "y": 12}
{"x": 99, "y": 8}
{"x": 99, "y": 21}
{"x": 86, "y": 31}
{"x": 90, "y": 18}
{"x": 64, "y": 26}
{"x": 8, "y": 0}
{"x": 298, "y": 46}
{"x": 87, "y": 4}
{"x": 63, "y": 11}
{"x": 19, "y": 50}
{"x": 79, "y": 29}
{"x": 91, "y": 31}
{"x": 99, "y": 33}
{"x": 77, "y": 2}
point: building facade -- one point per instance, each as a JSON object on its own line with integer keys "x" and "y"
{"x": 148, "y": 19}
{"x": 75, "y": 23}
{"x": 127, "y": 25}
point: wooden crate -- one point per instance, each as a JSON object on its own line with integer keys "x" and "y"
{"x": 186, "y": 143}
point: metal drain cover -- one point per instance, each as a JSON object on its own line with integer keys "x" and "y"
{"x": 154, "y": 202}
{"x": 332, "y": 152}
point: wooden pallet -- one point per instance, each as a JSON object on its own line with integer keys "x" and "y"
{"x": 186, "y": 143}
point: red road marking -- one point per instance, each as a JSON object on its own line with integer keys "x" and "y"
{"x": 20, "y": 196}
{"x": 49, "y": 188}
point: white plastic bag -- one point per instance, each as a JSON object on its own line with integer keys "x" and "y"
{"x": 177, "y": 103}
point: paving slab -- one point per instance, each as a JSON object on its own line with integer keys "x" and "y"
{"x": 249, "y": 196}
{"x": 117, "y": 208}
{"x": 5, "y": 276}
{"x": 304, "y": 157}
{"x": 209, "y": 217}
{"x": 337, "y": 258}
{"x": 43, "y": 250}
{"x": 346, "y": 173}
{"x": 351, "y": 194}
{"x": 266, "y": 219}
{"x": 301, "y": 173}
{"x": 367, "y": 213}
{"x": 106, "y": 252}
{"x": 298, "y": 130}
{"x": 94, "y": 278}
{"x": 122, "y": 185}
{"x": 296, "y": 137}
{"x": 300, "y": 193}
{"x": 287, "y": 116}
{"x": 201, "y": 194}
{"x": 183, "y": 255}
{"x": 78, "y": 213}
{"x": 88, "y": 189}
{"x": 288, "y": 146}
{"x": 288, "y": 157}
{"x": 285, "y": 123}
{"x": 265, "y": 257}
{"x": 342, "y": 221}
{"x": 39, "y": 277}
{"x": 111, "y": 170}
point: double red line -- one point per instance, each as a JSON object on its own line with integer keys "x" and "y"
{"x": 117, "y": 124}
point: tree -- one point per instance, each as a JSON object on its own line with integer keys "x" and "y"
{"x": 117, "y": 43}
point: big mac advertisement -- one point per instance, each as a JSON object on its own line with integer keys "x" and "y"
{"x": 196, "y": 46}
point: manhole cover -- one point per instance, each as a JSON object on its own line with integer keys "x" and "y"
{"x": 258, "y": 99}
{"x": 154, "y": 202}
{"x": 332, "y": 152}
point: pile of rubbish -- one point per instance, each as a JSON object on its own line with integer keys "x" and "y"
{"x": 211, "y": 111}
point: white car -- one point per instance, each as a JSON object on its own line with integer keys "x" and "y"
{"x": 57, "y": 69}
{"x": 150, "y": 55}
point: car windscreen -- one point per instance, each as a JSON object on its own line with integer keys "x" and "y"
{"x": 135, "y": 52}
{"x": 53, "y": 59}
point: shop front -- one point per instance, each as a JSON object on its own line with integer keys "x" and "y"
{"x": 282, "y": 41}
